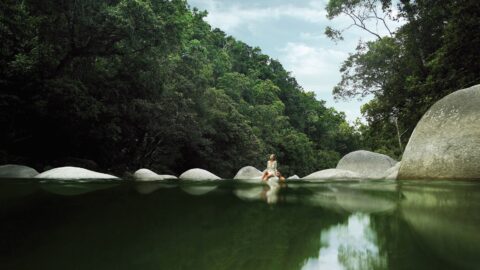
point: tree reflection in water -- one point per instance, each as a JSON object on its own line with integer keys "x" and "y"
{"x": 350, "y": 246}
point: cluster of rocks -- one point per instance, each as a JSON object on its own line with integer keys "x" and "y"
{"x": 70, "y": 173}
{"x": 13, "y": 171}
{"x": 444, "y": 145}
{"x": 148, "y": 175}
{"x": 358, "y": 165}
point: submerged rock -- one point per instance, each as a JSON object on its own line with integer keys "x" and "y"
{"x": 446, "y": 142}
{"x": 369, "y": 164}
{"x": 73, "y": 173}
{"x": 17, "y": 171}
{"x": 333, "y": 174}
{"x": 247, "y": 173}
{"x": 148, "y": 175}
{"x": 198, "y": 175}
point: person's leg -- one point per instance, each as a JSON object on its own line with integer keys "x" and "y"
{"x": 264, "y": 176}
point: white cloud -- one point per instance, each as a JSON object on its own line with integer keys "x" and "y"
{"x": 355, "y": 241}
{"x": 312, "y": 36}
{"x": 231, "y": 17}
{"x": 313, "y": 66}
{"x": 316, "y": 68}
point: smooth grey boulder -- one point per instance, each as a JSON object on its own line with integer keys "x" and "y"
{"x": 247, "y": 173}
{"x": 198, "y": 175}
{"x": 369, "y": 164}
{"x": 148, "y": 175}
{"x": 392, "y": 173}
{"x": 446, "y": 142}
{"x": 73, "y": 173}
{"x": 293, "y": 177}
{"x": 17, "y": 171}
{"x": 333, "y": 174}
{"x": 252, "y": 180}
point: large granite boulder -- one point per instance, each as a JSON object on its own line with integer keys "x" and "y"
{"x": 73, "y": 173}
{"x": 247, "y": 173}
{"x": 369, "y": 164}
{"x": 198, "y": 175}
{"x": 17, "y": 171}
{"x": 333, "y": 174}
{"x": 446, "y": 142}
{"x": 148, "y": 175}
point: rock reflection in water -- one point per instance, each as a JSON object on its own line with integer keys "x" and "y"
{"x": 198, "y": 189}
{"x": 271, "y": 195}
{"x": 73, "y": 188}
{"x": 268, "y": 192}
{"x": 348, "y": 246}
{"x": 250, "y": 193}
{"x": 351, "y": 199}
{"x": 446, "y": 218}
{"x": 149, "y": 187}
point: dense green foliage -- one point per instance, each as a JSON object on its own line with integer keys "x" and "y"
{"x": 434, "y": 53}
{"x": 148, "y": 83}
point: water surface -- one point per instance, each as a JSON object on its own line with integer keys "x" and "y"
{"x": 232, "y": 225}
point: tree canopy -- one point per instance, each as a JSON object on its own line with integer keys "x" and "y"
{"x": 433, "y": 54}
{"x": 126, "y": 84}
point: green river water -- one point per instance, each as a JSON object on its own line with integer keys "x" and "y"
{"x": 231, "y": 225}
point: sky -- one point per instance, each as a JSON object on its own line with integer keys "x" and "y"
{"x": 293, "y": 33}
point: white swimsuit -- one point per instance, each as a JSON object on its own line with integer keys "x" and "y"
{"x": 272, "y": 167}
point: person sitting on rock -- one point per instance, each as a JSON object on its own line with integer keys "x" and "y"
{"x": 272, "y": 169}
